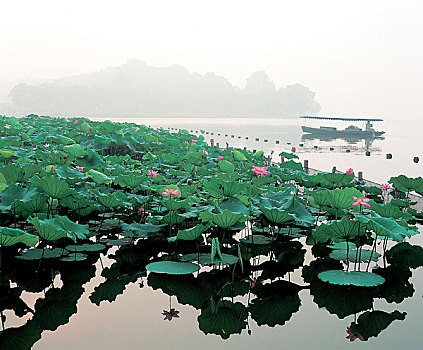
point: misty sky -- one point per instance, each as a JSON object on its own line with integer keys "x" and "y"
{"x": 362, "y": 58}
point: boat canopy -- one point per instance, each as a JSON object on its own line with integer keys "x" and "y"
{"x": 347, "y": 119}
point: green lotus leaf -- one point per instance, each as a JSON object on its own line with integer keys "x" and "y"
{"x": 337, "y": 231}
{"x": 173, "y": 218}
{"x": 131, "y": 181}
{"x": 54, "y": 187}
{"x": 20, "y": 338}
{"x": 91, "y": 161}
{"x": 12, "y": 236}
{"x": 342, "y": 245}
{"x": 172, "y": 204}
{"x": 37, "y": 254}
{"x": 224, "y": 319}
{"x": 225, "y": 166}
{"x": 235, "y": 206}
{"x": 390, "y": 211}
{"x": 353, "y": 278}
{"x": 320, "y": 198}
{"x": 99, "y": 178}
{"x": 274, "y": 310}
{"x": 257, "y": 239}
{"x": 142, "y": 230}
{"x": 205, "y": 258}
{"x": 192, "y": 233}
{"x": 64, "y": 140}
{"x": 110, "y": 289}
{"x": 172, "y": 267}
{"x": 52, "y": 229}
{"x": 15, "y": 173}
{"x": 73, "y": 229}
{"x": 109, "y": 200}
{"x": 406, "y": 184}
{"x": 76, "y": 150}
{"x": 7, "y": 154}
{"x": 227, "y": 219}
{"x": 276, "y": 216}
{"x": 3, "y": 183}
{"x": 67, "y": 172}
{"x": 15, "y": 196}
{"x": 371, "y": 323}
{"x": 336, "y": 179}
{"x": 85, "y": 247}
{"x": 74, "y": 257}
{"x": 405, "y": 254}
{"x": 288, "y": 155}
{"x": 387, "y": 227}
{"x": 355, "y": 255}
{"x": 220, "y": 188}
{"x": 239, "y": 156}
{"x": 258, "y": 154}
{"x": 291, "y": 164}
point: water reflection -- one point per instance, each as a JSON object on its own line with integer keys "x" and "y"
{"x": 229, "y": 297}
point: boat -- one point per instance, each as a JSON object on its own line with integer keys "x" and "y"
{"x": 351, "y": 131}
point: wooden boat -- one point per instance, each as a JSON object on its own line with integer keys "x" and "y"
{"x": 350, "y": 131}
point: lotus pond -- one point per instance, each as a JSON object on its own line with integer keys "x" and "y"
{"x": 94, "y": 214}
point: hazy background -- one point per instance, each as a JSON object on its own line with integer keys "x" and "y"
{"x": 359, "y": 57}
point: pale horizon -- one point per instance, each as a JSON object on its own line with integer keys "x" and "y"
{"x": 361, "y": 58}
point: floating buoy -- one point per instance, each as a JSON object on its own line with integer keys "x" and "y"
{"x": 288, "y": 143}
{"x": 212, "y": 133}
{"x": 257, "y": 138}
{"x": 239, "y": 137}
{"x": 389, "y": 156}
{"x": 331, "y": 148}
{"x": 315, "y": 147}
{"x": 218, "y": 134}
{"x": 367, "y": 153}
{"x": 277, "y": 142}
{"x": 232, "y": 136}
{"x": 226, "y": 135}
{"x": 246, "y": 137}
{"x": 254, "y": 151}
{"x": 301, "y": 145}
{"x": 348, "y": 151}
{"x": 416, "y": 159}
{"x": 265, "y": 141}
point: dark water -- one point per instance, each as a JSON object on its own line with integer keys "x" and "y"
{"x": 134, "y": 320}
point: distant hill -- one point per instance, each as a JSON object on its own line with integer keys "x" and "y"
{"x": 136, "y": 88}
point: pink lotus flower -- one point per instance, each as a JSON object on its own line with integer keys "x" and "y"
{"x": 193, "y": 141}
{"x": 211, "y": 140}
{"x": 260, "y": 170}
{"x": 90, "y": 128}
{"x": 75, "y": 122}
{"x": 350, "y": 171}
{"x": 352, "y": 336}
{"x": 42, "y": 118}
{"x": 293, "y": 149}
{"x": 170, "y": 314}
{"x": 80, "y": 167}
{"x": 7, "y": 126}
{"x": 361, "y": 201}
{"x": 385, "y": 187}
{"x": 171, "y": 192}
{"x": 50, "y": 156}
{"x": 152, "y": 173}
{"x": 70, "y": 118}
{"x": 220, "y": 157}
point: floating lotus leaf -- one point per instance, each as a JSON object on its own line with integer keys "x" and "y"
{"x": 115, "y": 242}
{"x": 274, "y": 310}
{"x": 67, "y": 172}
{"x": 74, "y": 257}
{"x": 172, "y": 267}
{"x": 99, "y": 177}
{"x": 406, "y": 184}
{"x": 344, "y": 229}
{"x": 86, "y": 247}
{"x": 37, "y": 254}
{"x": 54, "y": 187}
{"x": 205, "y": 259}
{"x": 257, "y": 239}
{"x": 355, "y": 255}
{"x": 405, "y": 254}
{"x": 225, "y": 166}
{"x": 224, "y": 319}
{"x": 371, "y": 323}
{"x": 76, "y": 150}
{"x": 353, "y": 278}
{"x": 137, "y": 230}
{"x": 12, "y": 236}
